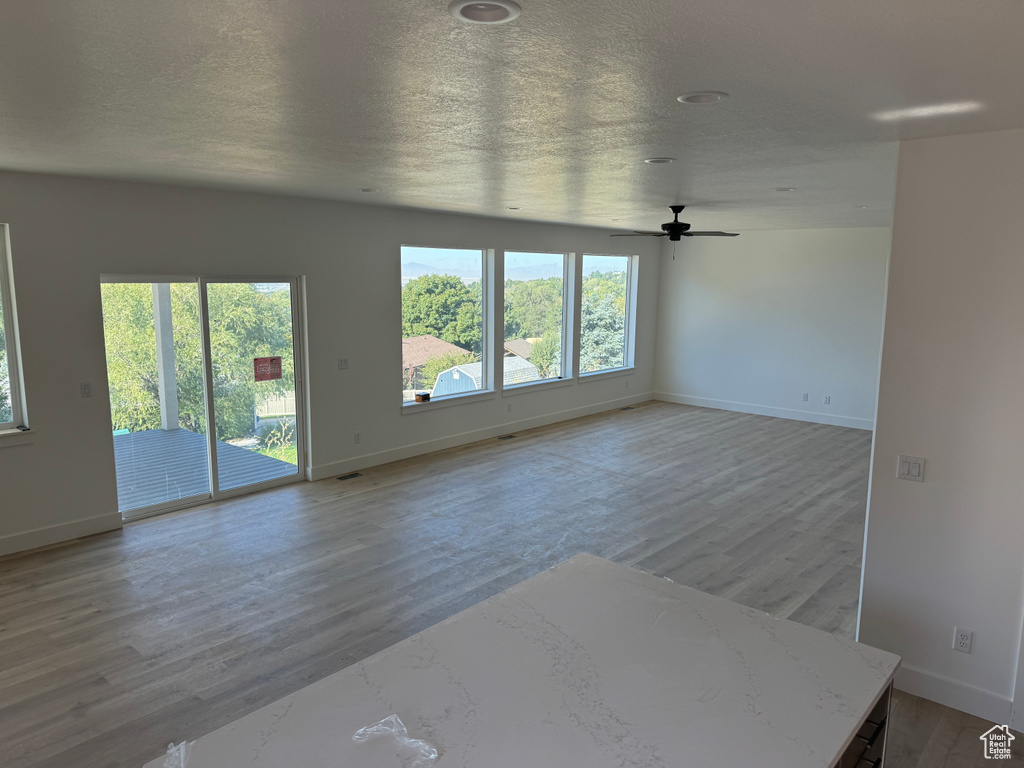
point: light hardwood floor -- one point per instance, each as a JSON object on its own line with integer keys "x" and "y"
{"x": 116, "y": 645}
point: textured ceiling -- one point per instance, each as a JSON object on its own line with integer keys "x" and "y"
{"x": 553, "y": 112}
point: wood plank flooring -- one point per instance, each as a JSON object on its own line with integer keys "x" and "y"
{"x": 114, "y": 646}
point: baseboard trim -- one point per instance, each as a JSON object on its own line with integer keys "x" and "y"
{"x": 55, "y": 534}
{"x": 464, "y": 438}
{"x": 966, "y": 698}
{"x": 765, "y": 410}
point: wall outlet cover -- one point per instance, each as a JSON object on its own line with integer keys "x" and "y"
{"x": 962, "y": 639}
{"x": 910, "y": 468}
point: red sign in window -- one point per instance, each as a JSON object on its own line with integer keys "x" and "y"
{"x": 267, "y": 368}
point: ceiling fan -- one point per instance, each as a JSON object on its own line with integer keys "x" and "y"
{"x": 676, "y": 229}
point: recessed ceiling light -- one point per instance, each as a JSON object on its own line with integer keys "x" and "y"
{"x": 861, "y": 207}
{"x": 490, "y": 12}
{"x": 703, "y": 97}
{"x": 933, "y": 110}
{"x": 368, "y": 189}
{"x": 659, "y": 160}
{"x": 784, "y": 189}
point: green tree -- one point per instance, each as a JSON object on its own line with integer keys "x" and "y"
{"x": 532, "y": 307}
{"x": 546, "y": 354}
{"x": 602, "y": 334}
{"x": 445, "y": 307}
{"x": 245, "y": 323}
{"x": 606, "y": 285}
{"x": 431, "y": 369}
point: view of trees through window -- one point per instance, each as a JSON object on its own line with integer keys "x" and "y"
{"x": 442, "y": 318}
{"x": 248, "y": 320}
{"x": 534, "y": 294}
{"x": 6, "y": 416}
{"x": 603, "y": 313}
{"x": 442, "y": 321}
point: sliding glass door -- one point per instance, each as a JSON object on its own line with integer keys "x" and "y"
{"x": 153, "y": 336}
{"x": 252, "y": 355}
{"x": 186, "y": 354}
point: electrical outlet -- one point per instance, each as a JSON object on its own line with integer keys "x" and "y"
{"x": 86, "y": 389}
{"x": 828, "y": 400}
{"x": 627, "y": 383}
{"x": 357, "y": 437}
{"x": 962, "y": 639}
{"x": 342, "y": 363}
{"x": 508, "y": 407}
{"x": 805, "y": 396}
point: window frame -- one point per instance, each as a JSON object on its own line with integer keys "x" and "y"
{"x": 488, "y": 302}
{"x": 629, "y": 324}
{"x": 566, "y": 362}
{"x": 19, "y": 416}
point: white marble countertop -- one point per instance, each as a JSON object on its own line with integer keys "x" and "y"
{"x": 587, "y": 664}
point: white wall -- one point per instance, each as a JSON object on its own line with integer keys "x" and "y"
{"x": 66, "y": 232}
{"x": 950, "y": 551}
{"x": 750, "y": 323}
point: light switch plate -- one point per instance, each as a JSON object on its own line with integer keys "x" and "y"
{"x": 910, "y": 468}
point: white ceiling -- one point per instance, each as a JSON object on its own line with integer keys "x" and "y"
{"x": 553, "y": 112}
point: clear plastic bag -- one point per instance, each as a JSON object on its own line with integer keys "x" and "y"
{"x": 178, "y": 754}
{"x": 414, "y": 753}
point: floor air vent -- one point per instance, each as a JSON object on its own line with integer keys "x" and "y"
{"x": 627, "y": 408}
{"x": 349, "y": 477}
{"x": 506, "y": 437}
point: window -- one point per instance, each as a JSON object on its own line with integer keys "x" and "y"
{"x": 606, "y": 313}
{"x": 534, "y": 317}
{"x": 442, "y": 322}
{"x": 11, "y": 409}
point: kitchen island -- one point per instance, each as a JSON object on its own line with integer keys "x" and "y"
{"x": 587, "y": 664}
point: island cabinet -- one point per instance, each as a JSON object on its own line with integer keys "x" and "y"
{"x": 589, "y": 664}
{"x": 867, "y": 750}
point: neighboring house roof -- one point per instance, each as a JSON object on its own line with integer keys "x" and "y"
{"x": 416, "y": 351}
{"x": 519, "y": 347}
{"x": 517, "y": 371}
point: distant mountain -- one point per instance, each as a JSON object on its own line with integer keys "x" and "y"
{"x": 416, "y": 269}
{"x": 534, "y": 272}
{"x": 411, "y": 269}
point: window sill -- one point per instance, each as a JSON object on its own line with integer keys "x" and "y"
{"x": 609, "y": 374}
{"x": 444, "y": 402}
{"x": 535, "y": 386}
{"x": 12, "y": 437}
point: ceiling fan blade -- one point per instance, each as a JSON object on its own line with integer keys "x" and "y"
{"x": 711, "y": 234}
{"x": 642, "y": 234}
